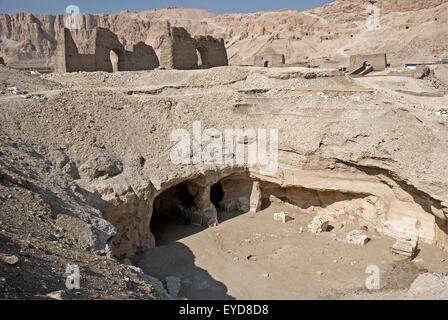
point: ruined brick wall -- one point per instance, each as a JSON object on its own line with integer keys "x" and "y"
{"x": 142, "y": 57}
{"x": 273, "y": 60}
{"x": 378, "y": 61}
{"x": 105, "y": 42}
{"x": 212, "y": 52}
{"x": 104, "y": 49}
{"x": 180, "y": 51}
{"x": 67, "y": 56}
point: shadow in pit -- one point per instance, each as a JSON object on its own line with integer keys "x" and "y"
{"x": 172, "y": 217}
{"x": 171, "y": 228}
{"x": 176, "y": 259}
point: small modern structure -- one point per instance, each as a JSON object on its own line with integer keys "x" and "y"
{"x": 269, "y": 58}
{"x": 378, "y": 62}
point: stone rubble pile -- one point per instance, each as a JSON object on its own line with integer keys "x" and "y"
{"x": 318, "y": 225}
{"x": 442, "y": 112}
{"x": 357, "y": 237}
{"x": 25, "y": 95}
{"x": 282, "y": 216}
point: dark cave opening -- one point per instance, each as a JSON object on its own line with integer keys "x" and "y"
{"x": 171, "y": 207}
{"x": 216, "y": 194}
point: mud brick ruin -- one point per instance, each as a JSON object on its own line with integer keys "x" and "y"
{"x": 106, "y": 53}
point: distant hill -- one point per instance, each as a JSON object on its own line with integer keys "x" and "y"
{"x": 409, "y": 31}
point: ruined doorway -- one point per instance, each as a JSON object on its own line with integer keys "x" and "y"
{"x": 202, "y": 56}
{"x": 266, "y": 64}
{"x": 116, "y": 60}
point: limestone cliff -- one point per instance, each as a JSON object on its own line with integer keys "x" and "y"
{"x": 408, "y": 31}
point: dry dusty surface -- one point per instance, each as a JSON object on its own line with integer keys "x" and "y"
{"x": 251, "y": 256}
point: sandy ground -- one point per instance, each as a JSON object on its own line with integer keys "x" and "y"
{"x": 251, "y": 256}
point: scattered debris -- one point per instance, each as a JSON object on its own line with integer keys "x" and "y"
{"x": 15, "y": 90}
{"x": 25, "y": 95}
{"x": 283, "y": 217}
{"x": 12, "y": 260}
{"x": 405, "y": 247}
{"x": 56, "y": 295}
{"x": 318, "y": 225}
{"x": 212, "y": 222}
{"x": 357, "y": 237}
{"x": 252, "y": 258}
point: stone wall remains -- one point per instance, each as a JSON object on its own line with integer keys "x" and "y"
{"x": 106, "y": 54}
{"x": 180, "y": 51}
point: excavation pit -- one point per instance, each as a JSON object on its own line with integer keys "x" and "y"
{"x": 212, "y": 262}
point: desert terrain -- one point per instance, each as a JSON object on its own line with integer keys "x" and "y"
{"x": 409, "y": 31}
{"x": 89, "y": 177}
{"x": 86, "y": 158}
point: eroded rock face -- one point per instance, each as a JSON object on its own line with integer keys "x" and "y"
{"x": 129, "y": 210}
{"x": 102, "y": 166}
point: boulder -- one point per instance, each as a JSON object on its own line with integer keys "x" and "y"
{"x": 102, "y": 166}
{"x": 318, "y": 225}
{"x": 357, "y": 237}
{"x": 12, "y": 260}
{"x": 282, "y": 216}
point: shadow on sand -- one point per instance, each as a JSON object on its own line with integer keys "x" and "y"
{"x": 176, "y": 259}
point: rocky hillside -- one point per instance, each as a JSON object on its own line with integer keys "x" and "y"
{"x": 409, "y": 31}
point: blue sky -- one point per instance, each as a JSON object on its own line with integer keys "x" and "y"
{"x": 114, "y": 6}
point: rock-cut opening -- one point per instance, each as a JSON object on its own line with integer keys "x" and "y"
{"x": 216, "y": 194}
{"x": 172, "y": 207}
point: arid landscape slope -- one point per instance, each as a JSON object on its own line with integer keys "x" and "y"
{"x": 83, "y": 157}
{"x": 408, "y": 31}
{"x": 88, "y": 177}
